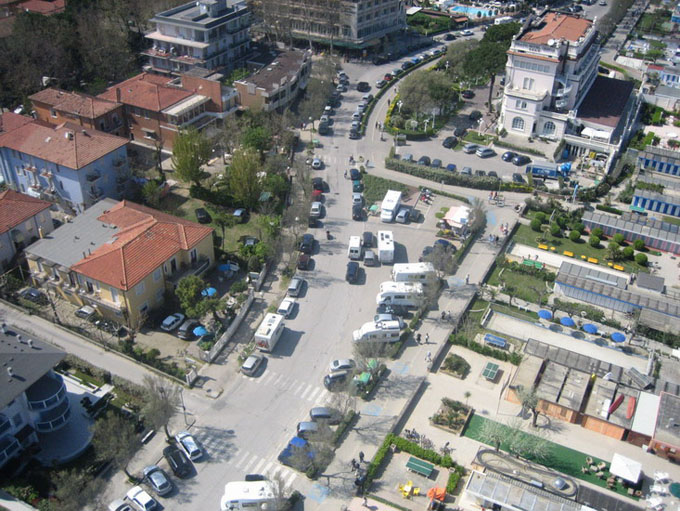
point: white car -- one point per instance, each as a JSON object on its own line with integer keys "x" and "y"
{"x": 172, "y": 322}
{"x": 343, "y": 364}
{"x": 315, "y": 212}
{"x": 324, "y": 118}
{"x": 189, "y": 445}
{"x": 356, "y": 125}
{"x": 142, "y": 500}
{"x": 317, "y": 164}
{"x": 119, "y": 505}
{"x": 85, "y": 312}
{"x": 357, "y": 198}
{"x": 467, "y": 33}
{"x": 286, "y": 307}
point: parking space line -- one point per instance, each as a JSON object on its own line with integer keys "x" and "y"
{"x": 307, "y": 389}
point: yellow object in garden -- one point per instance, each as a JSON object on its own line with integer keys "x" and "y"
{"x": 552, "y": 249}
{"x": 568, "y": 253}
{"x": 619, "y": 267}
{"x": 543, "y": 247}
{"x": 593, "y": 260}
{"x": 610, "y": 264}
{"x": 583, "y": 257}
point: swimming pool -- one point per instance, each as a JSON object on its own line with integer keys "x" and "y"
{"x": 472, "y": 11}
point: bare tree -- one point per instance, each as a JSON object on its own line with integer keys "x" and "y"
{"x": 493, "y": 433}
{"x": 162, "y": 400}
{"x": 529, "y": 399}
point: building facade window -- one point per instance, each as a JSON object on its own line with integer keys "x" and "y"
{"x": 528, "y": 83}
{"x": 522, "y": 105}
{"x": 518, "y": 124}
{"x": 157, "y": 275}
{"x": 140, "y": 288}
{"x": 549, "y": 128}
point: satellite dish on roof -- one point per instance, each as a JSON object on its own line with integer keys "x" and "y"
{"x": 551, "y": 42}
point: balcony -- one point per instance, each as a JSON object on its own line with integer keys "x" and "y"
{"x": 119, "y": 162}
{"x": 95, "y": 193}
{"x": 97, "y": 300}
{"x": 9, "y": 446}
{"x": 532, "y": 95}
{"x": 54, "y": 419}
{"x": 561, "y": 104}
{"x": 46, "y": 393}
{"x": 195, "y": 268}
{"x": 93, "y": 177}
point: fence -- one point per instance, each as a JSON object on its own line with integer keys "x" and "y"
{"x": 260, "y": 279}
{"x": 210, "y": 356}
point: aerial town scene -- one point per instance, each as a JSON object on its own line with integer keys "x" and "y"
{"x": 338, "y": 255}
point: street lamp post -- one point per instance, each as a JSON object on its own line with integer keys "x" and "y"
{"x": 311, "y": 129}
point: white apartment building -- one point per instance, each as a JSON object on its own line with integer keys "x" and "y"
{"x": 211, "y": 34}
{"x": 552, "y": 64}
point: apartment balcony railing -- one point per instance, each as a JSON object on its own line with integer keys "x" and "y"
{"x": 54, "y": 419}
{"x": 52, "y": 391}
{"x": 92, "y": 177}
{"x": 195, "y": 268}
{"x": 95, "y": 192}
{"x": 561, "y": 104}
{"x": 9, "y": 446}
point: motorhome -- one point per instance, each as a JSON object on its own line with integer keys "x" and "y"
{"x": 269, "y": 332}
{"x": 385, "y": 247}
{"x": 414, "y": 272}
{"x": 247, "y": 495}
{"x": 390, "y": 205}
{"x": 378, "y": 331}
{"x": 408, "y": 294}
{"x": 354, "y": 251}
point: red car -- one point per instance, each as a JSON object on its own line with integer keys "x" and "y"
{"x": 388, "y": 77}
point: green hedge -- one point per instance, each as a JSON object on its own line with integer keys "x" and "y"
{"x": 378, "y": 460}
{"x": 217, "y": 198}
{"x": 535, "y": 152}
{"x": 460, "y": 340}
{"x": 373, "y": 383}
{"x": 344, "y": 425}
{"x": 609, "y": 209}
{"x": 422, "y": 453}
{"x": 454, "y": 478}
{"x": 450, "y": 195}
{"x": 449, "y": 178}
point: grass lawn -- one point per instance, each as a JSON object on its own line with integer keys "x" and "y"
{"x": 563, "y": 459}
{"x": 672, "y": 220}
{"x": 476, "y": 138}
{"x": 375, "y": 188}
{"x": 526, "y": 236}
{"x": 523, "y": 283}
{"x": 512, "y": 311}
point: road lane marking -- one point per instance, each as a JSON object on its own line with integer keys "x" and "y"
{"x": 257, "y": 468}
{"x": 266, "y": 469}
{"x": 252, "y": 460}
{"x": 242, "y": 459}
{"x": 312, "y": 396}
{"x": 291, "y": 478}
{"x": 307, "y": 389}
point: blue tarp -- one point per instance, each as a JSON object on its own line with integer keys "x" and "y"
{"x": 496, "y": 341}
{"x": 567, "y": 321}
{"x": 590, "y": 328}
{"x": 544, "y": 314}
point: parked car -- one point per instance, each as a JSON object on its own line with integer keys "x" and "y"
{"x": 241, "y": 215}
{"x": 459, "y": 132}
{"x": 286, "y": 307}
{"x": 317, "y": 184}
{"x": 424, "y": 160}
{"x": 356, "y": 116}
{"x": 119, "y": 505}
{"x": 186, "y": 330}
{"x": 467, "y": 171}
{"x": 467, "y": 94}
{"x": 303, "y": 262}
{"x": 341, "y": 364}
{"x": 451, "y": 167}
{"x": 407, "y": 157}
{"x": 317, "y": 164}
{"x": 295, "y": 287}
{"x": 367, "y": 98}
{"x": 367, "y": 239}
{"x": 485, "y": 152}
{"x": 475, "y": 115}
{"x": 141, "y": 499}
{"x": 425, "y": 254}
{"x": 325, "y": 414}
{"x": 480, "y": 173}
{"x": 178, "y": 461}
{"x": 252, "y": 364}
{"x": 449, "y": 142}
{"x": 517, "y": 178}
{"x": 315, "y": 210}
{"x": 307, "y": 244}
{"x": 363, "y": 87}
{"x": 436, "y": 163}
{"x": 354, "y": 135}
{"x": 520, "y": 159}
{"x": 357, "y": 212}
{"x": 352, "y": 273}
{"x": 449, "y": 37}
{"x": 445, "y": 244}
{"x": 470, "y": 148}
{"x": 189, "y": 445}
{"x": 402, "y": 215}
{"x": 508, "y": 156}
{"x": 172, "y": 322}
{"x": 335, "y": 380}
{"x": 399, "y": 310}
{"x": 492, "y": 173}
{"x": 380, "y": 84}
{"x": 358, "y": 198}
{"x": 202, "y": 216}
{"x": 85, "y": 312}
{"x": 298, "y": 454}
{"x": 157, "y": 479}
{"x": 33, "y": 295}
{"x": 354, "y": 174}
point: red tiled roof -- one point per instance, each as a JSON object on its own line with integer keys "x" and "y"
{"x": 10, "y": 121}
{"x": 16, "y": 208}
{"x": 54, "y": 144}
{"x": 146, "y": 239}
{"x": 558, "y": 26}
{"x": 43, "y": 7}
{"x": 147, "y": 91}
{"x": 82, "y": 105}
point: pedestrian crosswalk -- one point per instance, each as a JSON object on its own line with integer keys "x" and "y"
{"x": 313, "y": 393}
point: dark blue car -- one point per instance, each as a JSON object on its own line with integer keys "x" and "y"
{"x": 289, "y": 455}
{"x": 354, "y": 174}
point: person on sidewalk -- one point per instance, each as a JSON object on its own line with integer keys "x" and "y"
{"x": 427, "y": 339}
{"x": 361, "y": 456}
{"x": 365, "y": 502}
{"x": 418, "y": 338}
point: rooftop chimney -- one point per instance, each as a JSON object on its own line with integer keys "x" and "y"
{"x": 118, "y": 94}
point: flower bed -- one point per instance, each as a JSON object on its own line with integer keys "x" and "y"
{"x": 451, "y": 416}
{"x": 455, "y": 365}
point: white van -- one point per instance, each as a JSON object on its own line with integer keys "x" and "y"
{"x": 385, "y": 247}
{"x": 269, "y": 332}
{"x": 355, "y": 250}
{"x": 414, "y": 272}
{"x": 240, "y": 495}
{"x": 378, "y": 331}
{"x": 390, "y": 205}
{"x": 408, "y": 294}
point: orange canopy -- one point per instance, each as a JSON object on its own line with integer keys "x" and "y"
{"x": 436, "y": 493}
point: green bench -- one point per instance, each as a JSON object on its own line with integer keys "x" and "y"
{"x": 420, "y": 467}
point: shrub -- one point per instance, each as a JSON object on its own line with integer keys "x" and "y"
{"x": 555, "y": 230}
{"x": 628, "y": 253}
{"x": 618, "y": 238}
{"x": 609, "y": 209}
{"x": 460, "y": 340}
{"x": 542, "y": 217}
{"x": 594, "y": 241}
{"x": 454, "y": 478}
{"x": 597, "y": 232}
{"x": 562, "y": 221}
{"x": 639, "y": 245}
{"x": 574, "y": 235}
{"x": 424, "y": 454}
{"x": 641, "y": 259}
{"x": 536, "y": 225}
{"x": 579, "y": 227}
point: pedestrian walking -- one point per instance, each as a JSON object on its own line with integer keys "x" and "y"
{"x": 428, "y": 357}
{"x": 418, "y": 338}
{"x": 345, "y": 173}
{"x": 365, "y": 502}
{"x": 467, "y": 278}
{"x": 376, "y": 124}
{"x": 361, "y": 456}
{"x": 427, "y": 339}
{"x": 367, "y": 163}
{"x": 354, "y": 464}
{"x": 388, "y": 101}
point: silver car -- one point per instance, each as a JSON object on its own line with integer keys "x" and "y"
{"x": 157, "y": 479}
{"x": 342, "y": 364}
{"x": 189, "y": 445}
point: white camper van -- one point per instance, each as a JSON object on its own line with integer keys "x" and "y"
{"x": 269, "y": 332}
{"x": 414, "y": 272}
{"x": 408, "y": 294}
{"x": 390, "y": 205}
{"x": 385, "y": 247}
{"x": 354, "y": 251}
{"x": 378, "y": 331}
{"x": 248, "y": 495}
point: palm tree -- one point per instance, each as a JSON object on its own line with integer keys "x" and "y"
{"x": 467, "y": 396}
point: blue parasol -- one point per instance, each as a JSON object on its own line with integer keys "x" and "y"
{"x": 567, "y": 321}
{"x": 618, "y": 337}
{"x": 224, "y": 267}
{"x": 590, "y": 328}
{"x": 199, "y": 331}
{"x": 544, "y": 314}
{"x": 209, "y": 291}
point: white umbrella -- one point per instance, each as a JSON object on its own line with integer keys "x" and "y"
{"x": 625, "y": 468}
